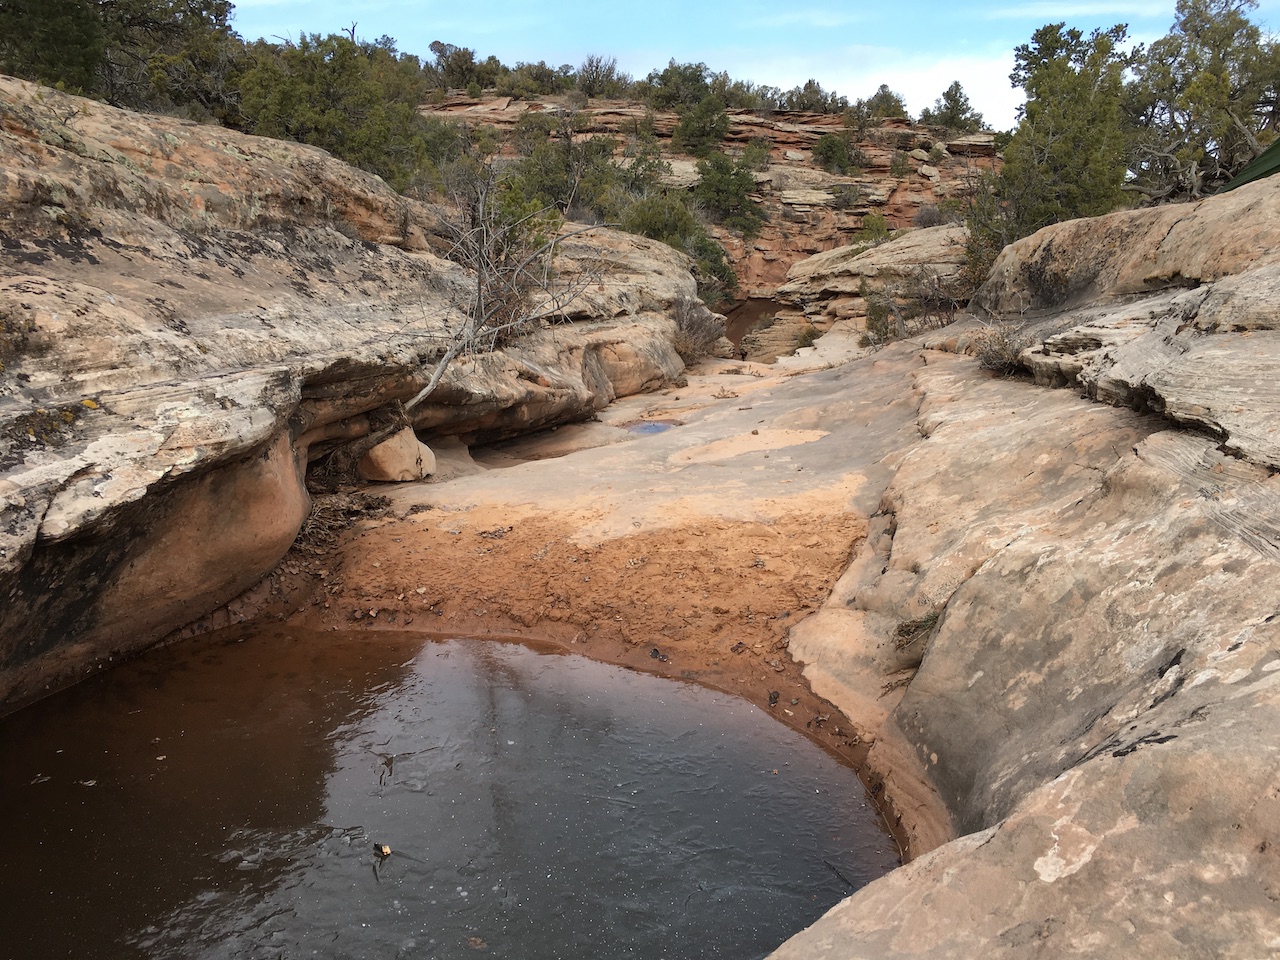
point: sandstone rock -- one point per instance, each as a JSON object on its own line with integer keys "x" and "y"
{"x": 796, "y": 195}
{"x": 1170, "y": 309}
{"x": 453, "y": 460}
{"x": 683, "y": 174}
{"x": 1069, "y": 644}
{"x": 792, "y": 198}
{"x": 197, "y": 300}
{"x": 973, "y": 145}
{"x": 830, "y": 283}
{"x": 1058, "y": 635}
{"x": 1095, "y": 650}
{"x": 1138, "y": 252}
{"x": 399, "y": 458}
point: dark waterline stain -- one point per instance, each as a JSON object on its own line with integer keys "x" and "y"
{"x": 223, "y": 800}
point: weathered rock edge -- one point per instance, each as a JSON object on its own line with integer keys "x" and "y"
{"x": 188, "y": 315}
{"x": 1094, "y": 683}
{"x": 1171, "y": 309}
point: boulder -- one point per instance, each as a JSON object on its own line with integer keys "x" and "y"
{"x": 831, "y": 284}
{"x": 400, "y": 458}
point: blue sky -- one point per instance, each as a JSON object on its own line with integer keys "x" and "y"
{"x": 916, "y": 47}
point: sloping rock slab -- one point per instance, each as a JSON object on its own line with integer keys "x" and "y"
{"x": 1172, "y": 310}
{"x": 1097, "y": 698}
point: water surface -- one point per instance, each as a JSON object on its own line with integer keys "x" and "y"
{"x": 222, "y": 800}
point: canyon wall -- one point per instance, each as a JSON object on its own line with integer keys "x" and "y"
{"x": 807, "y": 210}
{"x": 1057, "y": 634}
{"x": 1065, "y": 611}
{"x": 187, "y": 316}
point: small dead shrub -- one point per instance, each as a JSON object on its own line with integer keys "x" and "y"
{"x": 909, "y": 631}
{"x": 928, "y": 216}
{"x": 333, "y": 514}
{"x": 807, "y": 337}
{"x": 999, "y": 347}
{"x": 697, "y": 329}
{"x": 846, "y": 196}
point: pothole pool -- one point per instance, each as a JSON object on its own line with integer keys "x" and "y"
{"x": 224, "y": 798}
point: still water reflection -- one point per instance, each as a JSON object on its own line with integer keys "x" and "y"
{"x": 223, "y": 800}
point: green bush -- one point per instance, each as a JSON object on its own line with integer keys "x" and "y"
{"x": 885, "y": 103}
{"x": 599, "y": 77}
{"x": 755, "y": 156}
{"x": 847, "y": 195}
{"x": 678, "y": 84}
{"x": 874, "y": 230}
{"x": 834, "y": 154}
{"x": 953, "y": 111}
{"x": 359, "y": 101}
{"x": 667, "y": 217}
{"x": 530, "y": 80}
{"x": 807, "y": 337}
{"x": 702, "y": 128}
{"x": 725, "y": 189}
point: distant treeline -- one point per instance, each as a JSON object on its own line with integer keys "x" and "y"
{"x": 183, "y": 54}
{"x": 1106, "y": 124}
{"x": 360, "y": 101}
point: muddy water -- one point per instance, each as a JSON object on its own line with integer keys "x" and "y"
{"x": 223, "y": 799}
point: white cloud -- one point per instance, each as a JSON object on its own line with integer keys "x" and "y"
{"x": 1066, "y": 11}
{"x": 815, "y": 18}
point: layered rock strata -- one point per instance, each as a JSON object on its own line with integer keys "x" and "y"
{"x": 187, "y": 316}
{"x": 807, "y": 210}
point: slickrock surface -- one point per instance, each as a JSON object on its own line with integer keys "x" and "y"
{"x": 1091, "y": 594}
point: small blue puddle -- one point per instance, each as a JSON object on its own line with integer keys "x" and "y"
{"x": 651, "y": 426}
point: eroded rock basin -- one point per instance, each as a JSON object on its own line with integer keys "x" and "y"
{"x": 224, "y": 798}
